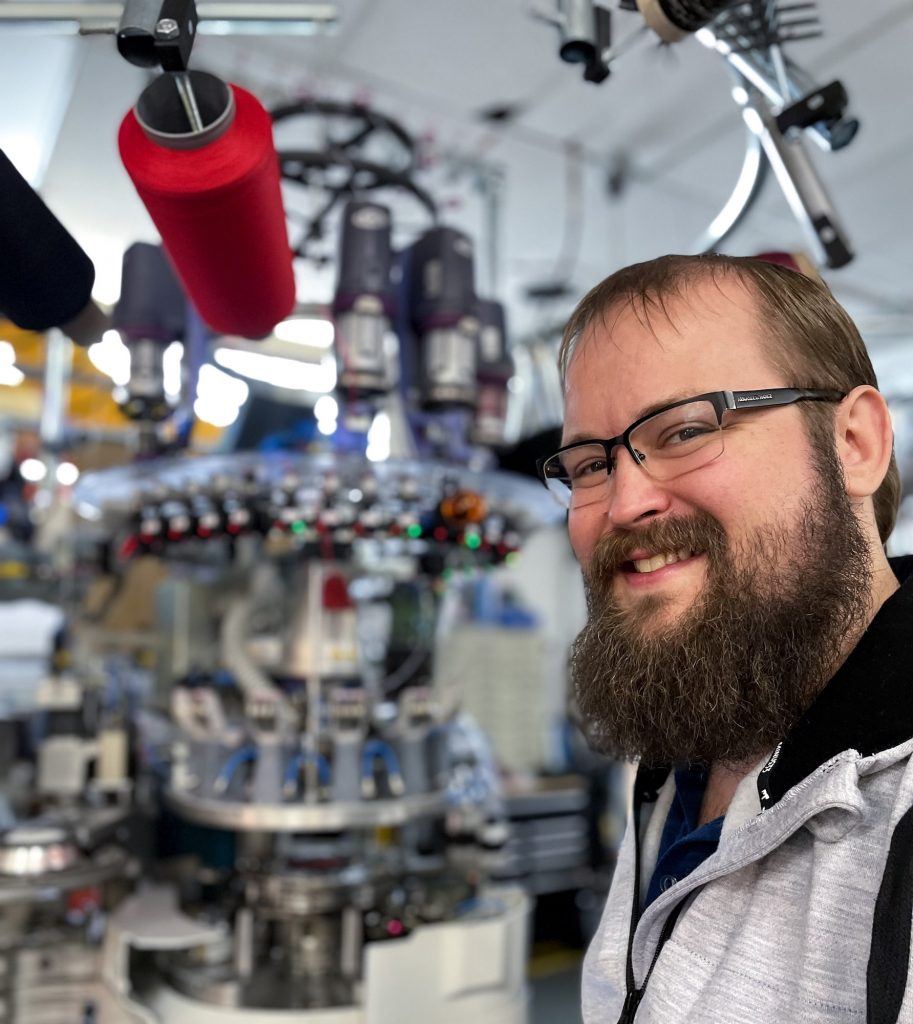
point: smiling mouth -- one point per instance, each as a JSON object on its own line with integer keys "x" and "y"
{"x": 657, "y": 561}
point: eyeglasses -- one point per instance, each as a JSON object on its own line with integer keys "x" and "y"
{"x": 667, "y": 443}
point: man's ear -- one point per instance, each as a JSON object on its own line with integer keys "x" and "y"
{"x": 865, "y": 440}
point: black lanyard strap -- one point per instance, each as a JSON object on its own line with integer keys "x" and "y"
{"x": 889, "y": 957}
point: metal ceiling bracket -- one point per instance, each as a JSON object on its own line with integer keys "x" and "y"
{"x": 746, "y": 190}
{"x": 829, "y": 132}
{"x": 800, "y": 183}
{"x": 215, "y": 18}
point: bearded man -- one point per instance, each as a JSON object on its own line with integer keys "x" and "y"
{"x": 728, "y": 471}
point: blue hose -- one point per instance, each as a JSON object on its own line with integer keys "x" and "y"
{"x": 294, "y": 767}
{"x": 239, "y": 757}
{"x": 374, "y": 749}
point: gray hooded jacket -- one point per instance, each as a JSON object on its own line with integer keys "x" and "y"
{"x": 776, "y": 926}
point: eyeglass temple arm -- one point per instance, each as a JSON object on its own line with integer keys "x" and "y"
{"x": 777, "y": 396}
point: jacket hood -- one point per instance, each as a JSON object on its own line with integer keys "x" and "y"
{"x": 868, "y": 704}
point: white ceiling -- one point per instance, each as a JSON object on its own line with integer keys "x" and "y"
{"x": 435, "y": 64}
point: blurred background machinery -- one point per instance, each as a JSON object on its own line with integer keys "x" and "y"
{"x": 283, "y": 620}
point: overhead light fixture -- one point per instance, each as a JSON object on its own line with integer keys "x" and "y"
{"x": 311, "y": 331}
{"x": 171, "y": 369}
{"x": 326, "y": 412}
{"x": 107, "y": 258}
{"x": 33, "y": 470}
{"x": 326, "y": 408}
{"x": 219, "y": 397}
{"x": 378, "y": 449}
{"x": 10, "y": 374}
{"x": 112, "y": 357}
{"x": 67, "y": 474}
{"x": 292, "y": 374}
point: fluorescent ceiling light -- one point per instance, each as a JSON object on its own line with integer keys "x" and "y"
{"x": 311, "y": 331}
{"x": 112, "y": 357}
{"x": 278, "y": 371}
{"x": 10, "y": 374}
{"x": 216, "y": 414}
{"x": 171, "y": 369}
{"x": 379, "y": 438}
{"x": 67, "y": 474}
{"x": 326, "y": 408}
{"x": 213, "y": 384}
{"x": 219, "y": 397}
{"x": 33, "y": 470}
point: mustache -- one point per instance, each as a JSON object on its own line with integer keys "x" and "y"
{"x": 699, "y": 533}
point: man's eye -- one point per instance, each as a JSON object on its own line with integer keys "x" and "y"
{"x": 686, "y": 433}
{"x": 588, "y": 469}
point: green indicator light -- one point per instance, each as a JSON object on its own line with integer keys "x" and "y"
{"x": 473, "y": 540}
{"x": 298, "y": 526}
{"x": 447, "y": 574}
{"x": 414, "y": 530}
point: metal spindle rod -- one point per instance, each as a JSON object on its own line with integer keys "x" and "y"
{"x": 188, "y": 100}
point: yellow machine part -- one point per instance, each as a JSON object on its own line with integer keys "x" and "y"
{"x": 90, "y": 400}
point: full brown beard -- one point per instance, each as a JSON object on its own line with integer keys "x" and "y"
{"x": 728, "y": 678}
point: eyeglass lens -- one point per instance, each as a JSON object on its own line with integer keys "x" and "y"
{"x": 668, "y": 444}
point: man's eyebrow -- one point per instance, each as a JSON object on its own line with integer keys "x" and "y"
{"x": 648, "y": 410}
{"x": 574, "y": 438}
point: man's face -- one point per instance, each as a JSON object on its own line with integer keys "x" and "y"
{"x": 626, "y": 366}
{"x": 712, "y": 656}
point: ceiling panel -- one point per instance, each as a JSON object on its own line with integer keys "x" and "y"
{"x": 434, "y": 64}
{"x": 29, "y": 125}
{"x": 465, "y": 55}
{"x": 86, "y": 184}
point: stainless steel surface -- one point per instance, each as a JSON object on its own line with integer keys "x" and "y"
{"x": 113, "y": 491}
{"x": 32, "y": 850}
{"x": 57, "y": 368}
{"x": 219, "y": 985}
{"x": 155, "y": 112}
{"x": 105, "y": 17}
{"x": 167, "y": 28}
{"x": 188, "y": 101}
{"x": 105, "y": 865}
{"x": 302, "y": 893}
{"x": 241, "y": 817}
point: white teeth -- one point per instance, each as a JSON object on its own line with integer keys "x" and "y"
{"x": 658, "y": 561}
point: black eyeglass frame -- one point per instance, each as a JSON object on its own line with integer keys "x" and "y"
{"x": 722, "y": 402}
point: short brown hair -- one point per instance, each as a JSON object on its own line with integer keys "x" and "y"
{"x": 814, "y": 343}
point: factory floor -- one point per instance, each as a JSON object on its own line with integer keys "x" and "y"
{"x": 555, "y": 987}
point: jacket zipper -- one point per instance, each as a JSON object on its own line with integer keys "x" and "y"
{"x": 646, "y": 788}
{"x": 634, "y": 996}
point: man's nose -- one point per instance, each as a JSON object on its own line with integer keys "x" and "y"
{"x": 633, "y": 494}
